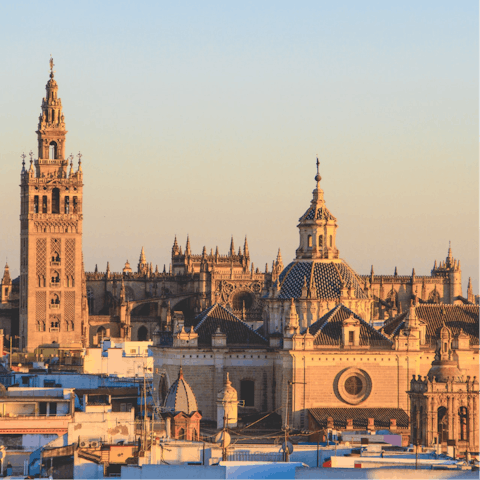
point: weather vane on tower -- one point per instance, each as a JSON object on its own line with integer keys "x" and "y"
{"x": 51, "y": 65}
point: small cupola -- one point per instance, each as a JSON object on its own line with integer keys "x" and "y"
{"x": 317, "y": 228}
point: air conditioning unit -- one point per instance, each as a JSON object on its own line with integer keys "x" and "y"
{"x": 95, "y": 444}
{"x": 84, "y": 444}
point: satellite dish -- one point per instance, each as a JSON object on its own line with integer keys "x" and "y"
{"x": 289, "y": 446}
{"x": 223, "y": 438}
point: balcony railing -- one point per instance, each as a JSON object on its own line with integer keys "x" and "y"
{"x": 55, "y": 306}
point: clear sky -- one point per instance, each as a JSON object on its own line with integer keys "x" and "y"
{"x": 204, "y": 117}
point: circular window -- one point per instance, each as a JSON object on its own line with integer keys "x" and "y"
{"x": 353, "y": 386}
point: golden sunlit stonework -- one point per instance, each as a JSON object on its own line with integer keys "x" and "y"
{"x": 52, "y": 304}
{"x": 337, "y": 348}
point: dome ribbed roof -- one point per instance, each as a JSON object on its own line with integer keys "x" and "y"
{"x": 328, "y": 278}
{"x": 180, "y": 397}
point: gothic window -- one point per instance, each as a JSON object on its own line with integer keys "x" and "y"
{"x": 309, "y": 240}
{"x": 181, "y": 434}
{"x": 44, "y": 204}
{"x": 320, "y": 241}
{"x": 40, "y": 326}
{"x": 70, "y": 326}
{"x": 434, "y": 297}
{"x": 142, "y": 333}
{"x": 90, "y": 301}
{"x": 52, "y": 150}
{"x": 75, "y": 206}
{"x": 67, "y": 204}
{"x": 463, "y": 416}
{"x": 331, "y": 241}
{"x": 35, "y": 204}
{"x": 247, "y": 392}
{"x": 55, "y": 200}
{"x": 242, "y": 299}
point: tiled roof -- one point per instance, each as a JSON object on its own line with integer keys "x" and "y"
{"x": 313, "y": 213}
{"x": 237, "y": 331}
{"x": 327, "y": 278}
{"x": 456, "y": 317}
{"x": 360, "y": 416}
{"x": 394, "y": 324}
{"x": 328, "y": 329}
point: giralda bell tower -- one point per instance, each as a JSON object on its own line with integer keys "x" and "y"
{"x": 52, "y": 279}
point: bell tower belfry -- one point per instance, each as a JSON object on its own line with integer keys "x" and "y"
{"x": 52, "y": 303}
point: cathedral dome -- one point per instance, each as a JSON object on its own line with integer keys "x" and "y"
{"x": 325, "y": 282}
{"x": 180, "y": 397}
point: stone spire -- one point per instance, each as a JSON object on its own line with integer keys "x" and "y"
{"x": 245, "y": 248}
{"x": 6, "y": 285}
{"x": 291, "y": 327}
{"x": 279, "y": 262}
{"x": 317, "y": 228}
{"x": 175, "y": 249}
{"x": 188, "y": 250}
{"x": 470, "y": 295}
{"x": 142, "y": 263}
{"x": 6, "y": 280}
{"x": 232, "y": 248}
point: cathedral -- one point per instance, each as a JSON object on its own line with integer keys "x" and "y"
{"x": 313, "y": 340}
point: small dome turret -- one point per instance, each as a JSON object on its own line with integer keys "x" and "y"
{"x": 180, "y": 397}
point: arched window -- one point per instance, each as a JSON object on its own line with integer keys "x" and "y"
{"x": 55, "y": 200}
{"x": 55, "y": 277}
{"x": 142, "y": 333}
{"x": 331, "y": 241}
{"x": 44, "y": 204}
{"x": 463, "y": 416}
{"x": 242, "y": 299}
{"x": 52, "y": 150}
{"x": 320, "y": 241}
{"x": 35, "y": 204}
{"x": 54, "y": 324}
{"x": 247, "y": 392}
{"x": 442, "y": 424}
{"x": 67, "y": 204}
{"x": 55, "y": 299}
{"x": 194, "y": 435}
{"x": 101, "y": 334}
{"x": 181, "y": 434}
{"x": 309, "y": 240}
